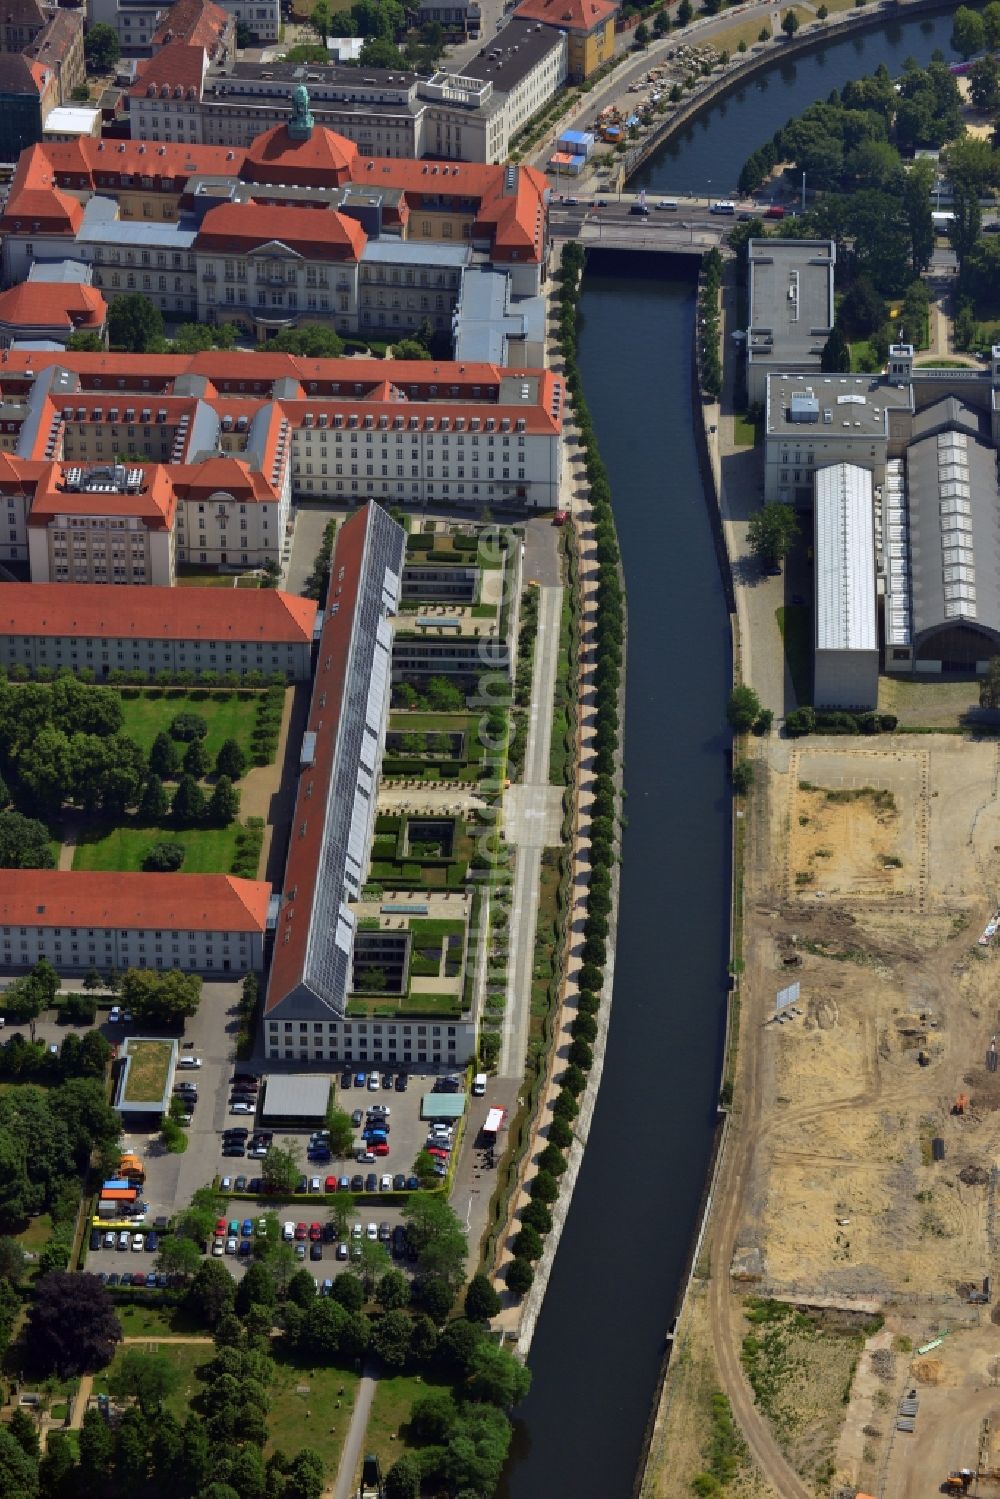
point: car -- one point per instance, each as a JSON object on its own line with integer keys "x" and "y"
{"x": 255, "y": 1184}
{"x": 384, "y": 1233}
{"x": 300, "y": 1251}
{"x": 373, "y": 1082}
{"x": 316, "y": 1250}
{"x": 95, "y": 1238}
{"x": 137, "y": 1243}
{"x": 103, "y": 1277}
{"x": 319, "y": 1153}
{"x": 246, "y": 1247}
{"x": 319, "y": 1134}
{"x": 109, "y": 1239}
{"x": 247, "y": 1228}
{"x": 189, "y": 1062}
{"x": 343, "y": 1183}
{"x": 288, "y": 1231}
{"x": 413, "y": 1184}
{"x": 356, "y": 1118}
{"x": 330, "y": 1185}
{"x": 380, "y": 1148}
{"x": 263, "y": 1136}
{"x": 379, "y": 1108}
{"x": 398, "y": 1242}
{"x": 114, "y": 1015}
{"x": 139, "y": 1278}
{"x": 126, "y": 1017}
{"x": 357, "y": 1183}
{"x": 315, "y": 1231}
{"x": 302, "y": 1185}
{"x": 359, "y": 1079}
{"x": 439, "y": 1168}
{"x": 364, "y": 1155}
{"x": 435, "y": 1150}
{"x": 185, "y": 1119}
{"x": 235, "y": 1132}
{"x": 234, "y": 1148}
{"x": 218, "y": 1246}
{"x": 329, "y": 1232}
{"x": 240, "y": 1184}
{"x": 571, "y": 202}
{"x": 326, "y": 1289}
{"x": 387, "y": 1079}
{"x": 600, "y": 203}
{"x": 152, "y": 1241}
{"x": 356, "y": 1252}
{"x": 374, "y": 1132}
{"x": 744, "y": 218}
{"x": 357, "y": 1231}
{"x": 262, "y": 1228}
{"x": 239, "y": 1107}
{"x": 371, "y": 1182}
{"x": 234, "y": 1226}
{"x": 162, "y": 1280}
{"x": 399, "y": 1183}
{"x": 315, "y": 1184}
{"x": 231, "y": 1245}
{"x": 371, "y": 1232}
{"x": 220, "y": 1223}
{"x": 401, "y": 1081}
{"x": 126, "y": 1278}
{"x": 345, "y": 1079}
{"x": 440, "y": 1131}
{"x": 385, "y": 1185}
{"x": 257, "y": 1152}
{"x": 343, "y": 1251}
{"x": 301, "y": 1230}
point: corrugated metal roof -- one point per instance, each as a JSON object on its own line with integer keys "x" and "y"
{"x": 296, "y": 1095}
{"x": 845, "y": 560}
{"x": 442, "y": 1106}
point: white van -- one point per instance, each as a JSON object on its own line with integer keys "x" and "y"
{"x": 479, "y": 1085}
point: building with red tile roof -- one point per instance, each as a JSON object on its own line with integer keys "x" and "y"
{"x": 151, "y": 630}
{"x": 198, "y": 23}
{"x": 589, "y": 25}
{"x": 50, "y": 310}
{"x": 212, "y": 924}
{"x": 59, "y": 47}
{"x": 313, "y": 233}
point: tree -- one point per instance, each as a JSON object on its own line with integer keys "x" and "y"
{"x": 481, "y": 1300}
{"x": 409, "y": 348}
{"x": 24, "y": 1431}
{"x": 301, "y": 1288}
{"x": 164, "y": 857}
{"x": 434, "y": 1418}
{"x": 989, "y": 687}
{"x": 257, "y": 1288}
{"x": 862, "y": 310}
{"x": 393, "y": 1291}
{"x": 435, "y": 1295}
{"x": 528, "y": 1243}
{"x": 742, "y": 776}
{"x": 496, "y": 1376}
{"x": 438, "y": 1237}
{"x": 304, "y": 1476}
{"x": 789, "y": 23}
{"x": 18, "y": 1471}
{"x": 224, "y": 804}
{"x": 188, "y": 726}
{"x": 101, "y": 48}
{"x": 771, "y": 531}
{"x": 57, "y": 1469}
{"x": 150, "y": 1377}
{"x": 685, "y": 12}
{"x": 83, "y": 341}
{"x": 196, "y": 759}
{"x": 11, "y": 1261}
{"x": 134, "y": 324}
{"x": 984, "y": 84}
{"x": 24, "y": 843}
{"x": 189, "y": 802}
{"x": 165, "y": 998}
{"x": 391, "y": 1338}
{"x": 519, "y": 1277}
{"x": 153, "y": 804}
{"x": 321, "y": 19}
{"x": 378, "y": 52}
{"x": 836, "y": 356}
{"x": 231, "y": 761}
{"x": 339, "y": 1124}
{"x": 179, "y": 1255}
{"x": 165, "y": 757}
{"x": 403, "y": 1479}
{"x": 742, "y": 709}
{"x": 917, "y": 184}
{"x": 968, "y": 32}
{"x": 963, "y": 231}
{"x": 280, "y": 1169}
{"x": 72, "y": 1325}
{"x": 641, "y": 36}
{"x": 211, "y": 1293}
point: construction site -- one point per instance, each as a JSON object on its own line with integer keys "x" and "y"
{"x": 856, "y": 1286}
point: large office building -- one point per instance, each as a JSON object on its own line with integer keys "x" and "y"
{"x": 332, "y": 826}
{"x": 86, "y": 627}
{"x": 213, "y": 924}
{"x": 200, "y": 458}
{"x": 589, "y": 26}
{"x": 470, "y": 116}
{"x": 791, "y": 312}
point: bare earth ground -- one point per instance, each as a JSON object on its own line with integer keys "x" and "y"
{"x": 874, "y": 866}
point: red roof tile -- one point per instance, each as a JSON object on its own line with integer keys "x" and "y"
{"x": 133, "y": 902}
{"x": 568, "y": 15}
{"x": 52, "y": 304}
{"x": 199, "y": 21}
{"x": 323, "y": 157}
{"x": 76, "y": 610}
{"x": 156, "y": 502}
{"x": 316, "y": 233}
{"x": 177, "y": 65}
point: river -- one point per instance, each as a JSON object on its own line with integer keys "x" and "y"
{"x": 613, "y": 1293}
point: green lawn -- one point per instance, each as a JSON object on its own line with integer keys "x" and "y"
{"x": 795, "y": 624}
{"x": 228, "y": 715}
{"x": 157, "y": 1322}
{"x": 311, "y": 1418}
{"x": 744, "y": 432}
{"x": 390, "y": 1411}
{"x": 186, "y": 1358}
{"x": 147, "y": 1073}
{"x": 207, "y": 850}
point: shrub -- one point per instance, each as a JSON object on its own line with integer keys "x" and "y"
{"x": 519, "y": 1276}
{"x": 188, "y": 726}
{"x": 164, "y": 857}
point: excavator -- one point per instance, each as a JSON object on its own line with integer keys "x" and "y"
{"x": 958, "y": 1482}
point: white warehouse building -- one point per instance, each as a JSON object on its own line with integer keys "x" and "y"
{"x": 847, "y": 655}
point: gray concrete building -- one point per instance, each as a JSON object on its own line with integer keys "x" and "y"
{"x": 846, "y": 658}
{"x": 791, "y": 312}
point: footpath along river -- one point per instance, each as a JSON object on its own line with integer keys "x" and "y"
{"x": 599, "y": 1343}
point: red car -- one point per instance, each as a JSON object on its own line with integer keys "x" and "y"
{"x": 315, "y": 1232}
{"x": 221, "y": 1225}
{"x": 300, "y": 1231}
{"x": 380, "y": 1148}
{"x": 331, "y": 1184}
{"x": 442, "y": 1155}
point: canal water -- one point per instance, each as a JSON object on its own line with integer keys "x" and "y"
{"x": 613, "y": 1292}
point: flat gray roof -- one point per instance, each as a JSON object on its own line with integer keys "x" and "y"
{"x": 101, "y": 224}
{"x": 417, "y": 252}
{"x": 845, "y": 559}
{"x": 295, "y": 1095}
{"x": 511, "y": 54}
{"x": 857, "y": 405}
{"x": 791, "y": 299}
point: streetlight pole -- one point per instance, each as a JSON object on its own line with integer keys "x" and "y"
{"x": 803, "y": 192}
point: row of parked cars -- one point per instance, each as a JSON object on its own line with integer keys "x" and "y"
{"x": 238, "y": 1141}
{"x": 124, "y": 1239}
{"x": 375, "y": 1080}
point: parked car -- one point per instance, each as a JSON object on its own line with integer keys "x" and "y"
{"x": 235, "y": 1132}
{"x": 384, "y": 1233}
{"x": 357, "y": 1183}
{"x": 288, "y": 1231}
{"x": 247, "y": 1229}
{"x": 189, "y": 1062}
{"x": 398, "y": 1242}
{"x": 379, "y": 1108}
{"x": 316, "y": 1251}
{"x": 399, "y": 1183}
{"x": 315, "y": 1184}
{"x": 302, "y": 1184}
{"x": 371, "y": 1182}
{"x": 359, "y": 1079}
{"x": 342, "y": 1251}
{"x": 401, "y": 1081}
{"x": 241, "y": 1108}
{"x": 356, "y": 1118}
{"x": 262, "y": 1228}
{"x": 240, "y": 1185}
{"x": 373, "y": 1082}
{"x": 137, "y": 1243}
{"x": 345, "y": 1079}
{"x": 343, "y": 1183}
{"x": 364, "y": 1155}
{"x": 372, "y": 1232}
{"x": 300, "y": 1251}
{"x": 380, "y": 1148}
{"x": 230, "y": 1245}
{"x": 385, "y": 1185}
{"x": 413, "y": 1184}
{"x": 330, "y": 1185}
{"x": 315, "y": 1231}
{"x": 126, "y": 1277}
{"x": 152, "y": 1241}
{"x": 218, "y": 1246}
{"x": 114, "y": 1015}
{"x": 301, "y": 1230}
{"x": 234, "y": 1148}
{"x": 109, "y": 1239}
{"x": 139, "y": 1278}
{"x": 95, "y": 1238}
{"x": 326, "y": 1288}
